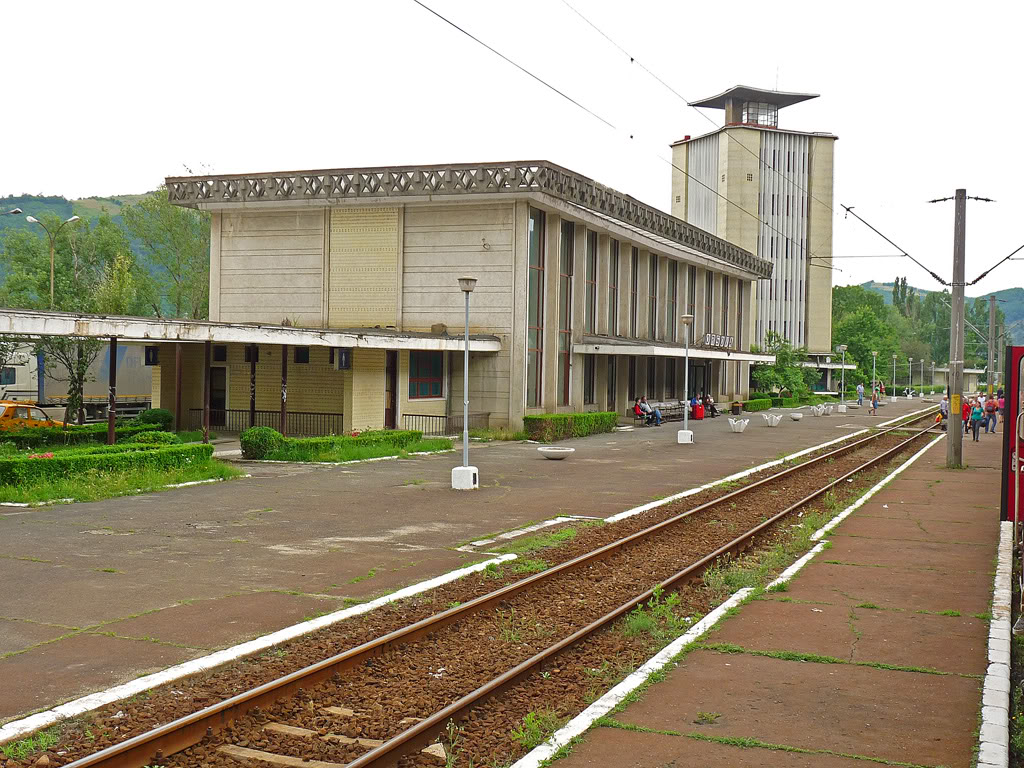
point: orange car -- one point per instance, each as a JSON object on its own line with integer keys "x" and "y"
{"x": 20, "y": 415}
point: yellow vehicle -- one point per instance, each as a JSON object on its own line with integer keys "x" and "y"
{"x": 20, "y": 415}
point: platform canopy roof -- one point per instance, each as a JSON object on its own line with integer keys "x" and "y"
{"x": 747, "y": 93}
{"x": 607, "y": 345}
{"x": 34, "y": 324}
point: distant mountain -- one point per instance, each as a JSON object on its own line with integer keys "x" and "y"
{"x": 1011, "y": 302}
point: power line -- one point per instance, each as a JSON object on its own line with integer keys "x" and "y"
{"x": 607, "y": 123}
{"x": 849, "y": 210}
{"x": 674, "y": 92}
{"x": 1005, "y": 258}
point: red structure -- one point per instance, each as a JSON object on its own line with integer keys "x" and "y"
{"x": 1013, "y": 436}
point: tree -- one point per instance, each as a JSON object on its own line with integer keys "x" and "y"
{"x": 786, "y": 374}
{"x": 866, "y": 331}
{"x": 176, "y": 242}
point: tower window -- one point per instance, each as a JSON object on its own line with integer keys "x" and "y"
{"x": 750, "y": 177}
{"x": 760, "y": 113}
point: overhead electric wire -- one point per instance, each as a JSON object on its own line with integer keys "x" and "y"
{"x": 613, "y": 127}
{"x": 1005, "y": 258}
{"x": 849, "y": 210}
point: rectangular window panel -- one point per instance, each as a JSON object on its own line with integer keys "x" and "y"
{"x": 691, "y": 291}
{"x": 632, "y": 379}
{"x": 672, "y": 313}
{"x": 613, "y": 289}
{"x": 613, "y": 372}
{"x": 709, "y": 300}
{"x": 670, "y": 377}
{"x": 8, "y": 376}
{"x": 652, "y": 298}
{"x": 426, "y": 374}
{"x": 650, "y": 385}
{"x": 590, "y": 310}
{"x": 535, "y": 309}
{"x": 725, "y": 305}
{"x": 220, "y": 353}
{"x": 589, "y": 379}
{"x": 301, "y": 354}
{"x": 565, "y": 262}
{"x": 634, "y": 276}
{"x": 739, "y": 315}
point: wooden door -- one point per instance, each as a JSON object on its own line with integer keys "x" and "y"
{"x": 391, "y": 389}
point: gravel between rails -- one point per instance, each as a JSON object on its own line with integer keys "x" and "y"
{"x": 526, "y": 620}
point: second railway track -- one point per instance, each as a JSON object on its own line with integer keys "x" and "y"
{"x": 388, "y": 699}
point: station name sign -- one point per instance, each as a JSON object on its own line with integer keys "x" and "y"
{"x": 714, "y": 341}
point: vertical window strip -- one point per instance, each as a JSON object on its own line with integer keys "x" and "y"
{"x": 709, "y": 299}
{"x": 672, "y": 316}
{"x": 613, "y": 371}
{"x": 590, "y": 310}
{"x": 613, "y": 289}
{"x": 691, "y": 285}
{"x": 589, "y": 375}
{"x": 634, "y": 278}
{"x": 725, "y": 305}
{"x": 565, "y": 262}
{"x": 652, "y": 290}
{"x": 632, "y": 379}
{"x": 535, "y": 310}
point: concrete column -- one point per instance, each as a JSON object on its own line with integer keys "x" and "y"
{"x": 601, "y": 383}
{"x": 517, "y": 352}
{"x": 622, "y": 384}
{"x": 658, "y": 389}
{"x": 283, "y": 429}
{"x": 642, "y": 298}
{"x": 604, "y": 247}
{"x": 552, "y": 235}
{"x": 206, "y": 391}
{"x": 178, "y": 415}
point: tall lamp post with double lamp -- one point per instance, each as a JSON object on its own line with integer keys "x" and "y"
{"x": 910, "y": 378}
{"x": 842, "y": 379}
{"x": 53, "y": 240}
{"x": 685, "y": 435}
{"x": 874, "y": 378}
{"x": 465, "y": 478}
{"x": 894, "y": 375}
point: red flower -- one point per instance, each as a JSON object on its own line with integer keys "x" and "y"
{"x": 40, "y": 455}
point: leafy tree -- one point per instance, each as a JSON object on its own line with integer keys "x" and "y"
{"x": 176, "y": 242}
{"x": 850, "y": 298}
{"x": 786, "y": 374}
{"x": 865, "y": 331}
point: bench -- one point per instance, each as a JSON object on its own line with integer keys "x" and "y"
{"x": 671, "y": 410}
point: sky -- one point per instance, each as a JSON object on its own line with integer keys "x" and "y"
{"x": 924, "y": 98}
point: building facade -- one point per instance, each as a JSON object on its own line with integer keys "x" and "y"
{"x": 779, "y": 182}
{"x": 582, "y": 287}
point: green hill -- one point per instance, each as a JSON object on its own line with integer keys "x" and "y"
{"x": 88, "y": 208}
{"x": 1011, "y": 302}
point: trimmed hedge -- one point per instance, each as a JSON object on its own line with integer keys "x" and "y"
{"x": 75, "y": 463}
{"x": 547, "y": 427}
{"x": 159, "y": 416}
{"x": 154, "y": 437}
{"x": 262, "y": 442}
{"x": 37, "y": 437}
{"x": 761, "y": 404}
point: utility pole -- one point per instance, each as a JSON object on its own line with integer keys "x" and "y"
{"x": 954, "y": 437}
{"x": 991, "y": 373}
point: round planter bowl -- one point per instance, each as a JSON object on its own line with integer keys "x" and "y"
{"x": 796, "y": 416}
{"x": 555, "y": 452}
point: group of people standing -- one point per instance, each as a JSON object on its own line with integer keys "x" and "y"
{"x": 977, "y": 412}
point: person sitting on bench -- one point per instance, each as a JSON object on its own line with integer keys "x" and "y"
{"x": 709, "y": 406}
{"x": 649, "y": 414}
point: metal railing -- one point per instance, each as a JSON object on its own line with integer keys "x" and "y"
{"x": 299, "y": 423}
{"x": 454, "y": 180}
{"x": 441, "y": 426}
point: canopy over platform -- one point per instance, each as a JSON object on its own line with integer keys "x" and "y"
{"x": 604, "y": 345}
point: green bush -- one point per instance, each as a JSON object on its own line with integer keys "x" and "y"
{"x": 39, "y": 437}
{"x": 259, "y": 442}
{"x": 761, "y": 404}
{"x": 75, "y": 463}
{"x": 154, "y": 437}
{"x": 548, "y": 427}
{"x": 791, "y": 402}
{"x": 160, "y": 416}
{"x": 301, "y": 448}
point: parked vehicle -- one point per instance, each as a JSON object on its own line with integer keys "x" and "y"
{"x": 18, "y": 415}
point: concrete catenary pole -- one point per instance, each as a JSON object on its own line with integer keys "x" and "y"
{"x": 990, "y": 375}
{"x": 954, "y": 437}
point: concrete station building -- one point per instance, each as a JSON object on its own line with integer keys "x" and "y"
{"x": 577, "y": 308}
{"x": 780, "y": 183}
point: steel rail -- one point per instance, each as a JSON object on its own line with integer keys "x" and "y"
{"x": 425, "y": 732}
{"x": 188, "y": 730}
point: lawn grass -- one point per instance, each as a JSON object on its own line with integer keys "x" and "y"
{"x": 193, "y": 435}
{"x": 498, "y": 433}
{"x": 298, "y": 451}
{"x": 93, "y": 486}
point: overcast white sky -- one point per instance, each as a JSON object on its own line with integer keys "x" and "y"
{"x": 111, "y": 97}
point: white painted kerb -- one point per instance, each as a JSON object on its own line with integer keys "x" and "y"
{"x": 994, "y": 735}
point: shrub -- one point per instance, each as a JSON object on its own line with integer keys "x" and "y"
{"x": 761, "y": 404}
{"x": 547, "y": 427}
{"x": 154, "y": 437}
{"x": 35, "y": 437}
{"x": 160, "y": 416}
{"x": 259, "y": 442}
{"x": 75, "y": 463}
{"x": 790, "y": 402}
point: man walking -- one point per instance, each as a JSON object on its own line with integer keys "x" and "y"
{"x": 990, "y": 415}
{"x": 860, "y": 394}
{"x": 944, "y": 411}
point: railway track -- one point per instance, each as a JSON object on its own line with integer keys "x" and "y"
{"x": 260, "y": 726}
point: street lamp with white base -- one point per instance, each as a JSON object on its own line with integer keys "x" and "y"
{"x": 465, "y": 478}
{"x": 685, "y": 435}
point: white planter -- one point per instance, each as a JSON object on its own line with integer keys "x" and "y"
{"x": 771, "y": 419}
{"x": 817, "y": 410}
{"x": 555, "y": 452}
{"x": 738, "y": 425}
{"x": 796, "y": 416}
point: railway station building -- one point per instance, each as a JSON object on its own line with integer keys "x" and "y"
{"x": 577, "y": 306}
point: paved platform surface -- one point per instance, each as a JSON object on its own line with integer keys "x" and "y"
{"x": 906, "y": 584}
{"x": 97, "y": 594}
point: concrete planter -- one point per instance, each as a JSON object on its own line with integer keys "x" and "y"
{"x": 817, "y": 410}
{"x": 796, "y": 416}
{"x": 555, "y": 452}
{"x": 738, "y": 425}
{"x": 771, "y": 419}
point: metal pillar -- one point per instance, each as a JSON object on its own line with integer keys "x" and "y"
{"x": 990, "y": 375}
{"x": 207, "y": 350}
{"x": 284, "y": 390}
{"x": 465, "y": 391}
{"x": 254, "y": 352}
{"x": 112, "y": 402}
{"x": 686, "y": 381}
{"x": 954, "y": 437}
{"x": 178, "y": 424}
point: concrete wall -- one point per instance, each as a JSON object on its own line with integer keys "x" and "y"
{"x": 267, "y": 267}
{"x": 364, "y": 245}
{"x": 819, "y": 230}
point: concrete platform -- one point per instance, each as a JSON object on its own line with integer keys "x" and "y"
{"x": 206, "y": 567}
{"x": 906, "y": 584}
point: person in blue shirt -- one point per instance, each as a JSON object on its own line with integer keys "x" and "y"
{"x": 977, "y": 414}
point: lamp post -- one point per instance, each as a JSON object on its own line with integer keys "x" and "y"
{"x": 685, "y": 435}
{"x": 53, "y": 240}
{"x": 910, "y": 376}
{"x": 922, "y": 377}
{"x": 842, "y": 379}
{"x": 894, "y": 375}
{"x": 465, "y": 478}
{"x": 933, "y": 374}
{"x": 874, "y": 365}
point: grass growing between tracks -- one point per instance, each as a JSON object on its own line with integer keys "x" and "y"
{"x": 94, "y": 486}
{"x": 27, "y": 747}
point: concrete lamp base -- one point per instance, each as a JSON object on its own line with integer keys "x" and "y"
{"x": 684, "y": 436}
{"x": 465, "y": 478}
